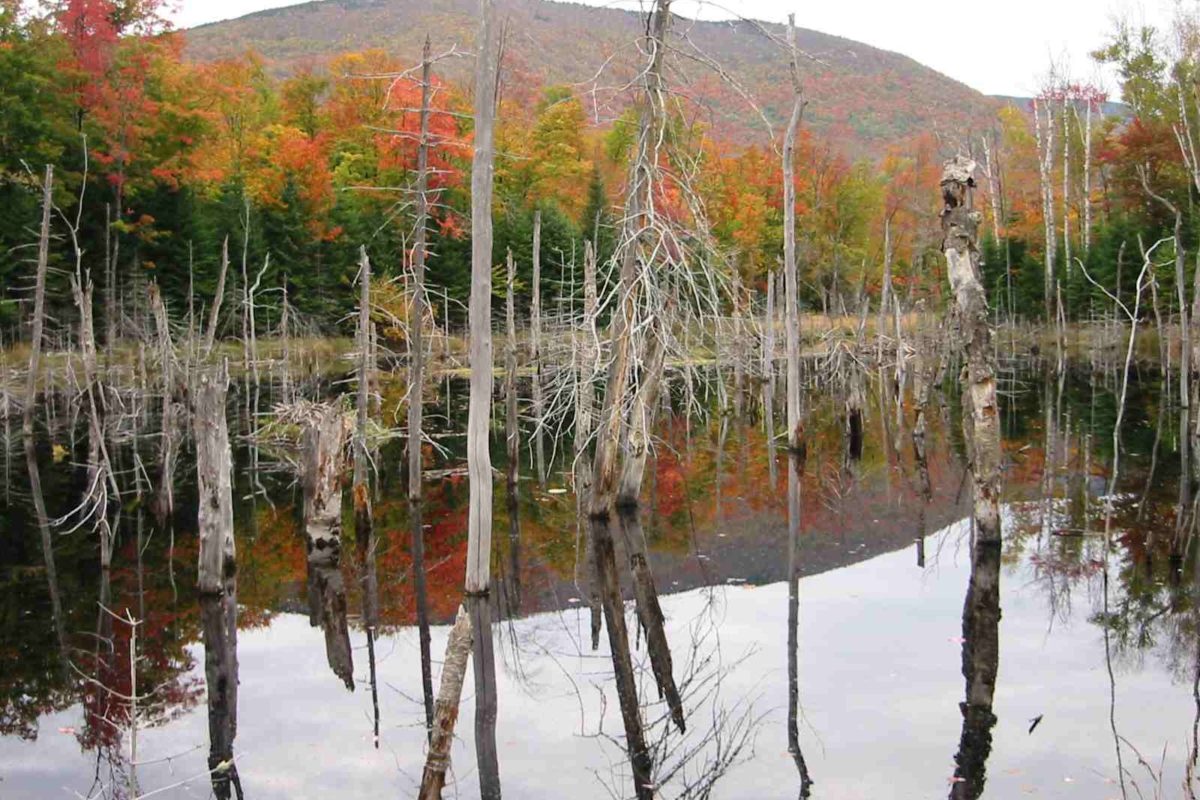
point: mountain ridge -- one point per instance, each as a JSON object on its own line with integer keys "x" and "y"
{"x": 861, "y": 98}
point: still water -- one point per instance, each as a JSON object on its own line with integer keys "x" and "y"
{"x": 1094, "y": 668}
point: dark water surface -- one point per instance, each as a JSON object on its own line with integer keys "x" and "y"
{"x": 1098, "y": 638}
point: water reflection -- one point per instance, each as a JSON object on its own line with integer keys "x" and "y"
{"x": 218, "y": 620}
{"x": 980, "y": 664}
{"x": 682, "y": 561}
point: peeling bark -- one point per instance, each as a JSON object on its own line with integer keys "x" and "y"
{"x": 981, "y": 413}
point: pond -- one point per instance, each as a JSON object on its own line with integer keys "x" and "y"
{"x": 871, "y": 669}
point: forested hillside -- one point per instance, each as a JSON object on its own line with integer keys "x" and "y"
{"x": 862, "y": 97}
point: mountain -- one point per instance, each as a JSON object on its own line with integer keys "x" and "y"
{"x": 860, "y": 97}
{"x": 1109, "y": 108}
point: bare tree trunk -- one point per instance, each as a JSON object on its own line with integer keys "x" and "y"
{"x": 214, "y": 475}
{"x": 28, "y": 410}
{"x": 739, "y": 347}
{"x": 454, "y": 670}
{"x": 792, "y": 311}
{"x": 323, "y": 446}
{"x": 363, "y": 519}
{"x": 1185, "y": 351}
{"x": 1045, "y": 145}
{"x": 1087, "y": 178}
{"x": 165, "y": 502}
{"x": 479, "y": 466}
{"x": 1066, "y": 198}
{"x": 585, "y": 400}
{"x": 416, "y": 319}
{"x": 214, "y": 313}
{"x": 512, "y": 433}
{"x": 610, "y": 432}
{"x": 39, "y": 309}
{"x": 959, "y": 225}
{"x": 416, "y": 383}
{"x": 641, "y": 414}
{"x": 535, "y": 353}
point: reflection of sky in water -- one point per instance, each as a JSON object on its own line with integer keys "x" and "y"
{"x": 880, "y": 684}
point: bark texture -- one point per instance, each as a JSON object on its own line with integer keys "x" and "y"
{"x": 214, "y": 471}
{"x": 960, "y": 223}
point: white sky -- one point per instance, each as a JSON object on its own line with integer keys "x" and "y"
{"x": 1011, "y": 42}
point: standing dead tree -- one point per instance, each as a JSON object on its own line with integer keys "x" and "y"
{"x": 164, "y": 504}
{"x": 214, "y": 313}
{"x": 535, "y": 351}
{"x": 30, "y": 405}
{"x": 323, "y": 461}
{"x": 416, "y": 381}
{"x": 214, "y": 475}
{"x": 478, "y": 628}
{"x": 791, "y": 282}
{"x": 960, "y": 223}
{"x": 638, "y": 206}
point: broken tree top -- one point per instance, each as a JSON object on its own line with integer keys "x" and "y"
{"x": 959, "y": 169}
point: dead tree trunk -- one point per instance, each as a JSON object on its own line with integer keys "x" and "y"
{"x": 479, "y": 464}
{"x": 585, "y": 399}
{"x": 641, "y": 421}
{"x": 792, "y": 310}
{"x": 535, "y": 351}
{"x": 960, "y": 224}
{"x": 39, "y": 309}
{"x": 324, "y": 460}
{"x": 1185, "y": 352}
{"x": 416, "y": 382}
{"x": 1045, "y": 146}
{"x": 512, "y": 434}
{"x": 214, "y": 475}
{"x": 214, "y": 313}
{"x": 361, "y": 489}
{"x": 416, "y": 318}
{"x": 610, "y": 432}
{"x": 164, "y": 505}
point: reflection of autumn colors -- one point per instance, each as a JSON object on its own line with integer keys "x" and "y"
{"x": 711, "y": 515}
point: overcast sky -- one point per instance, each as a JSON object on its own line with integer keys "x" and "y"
{"x": 1009, "y": 43}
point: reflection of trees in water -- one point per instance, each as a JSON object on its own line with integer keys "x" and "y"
{"x": 980, "y": 663}
{"x": 683, "y": 743}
